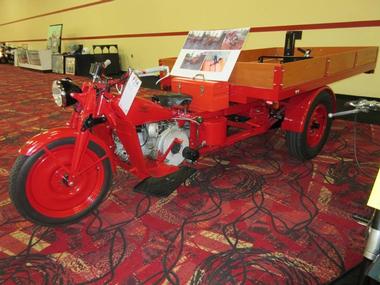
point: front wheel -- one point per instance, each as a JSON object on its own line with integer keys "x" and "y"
{"x": 310, "y": 141}
{"x": 41, "y": 193}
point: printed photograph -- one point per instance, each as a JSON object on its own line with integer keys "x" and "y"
{"x": 193, "y": 60}
{"x": 205, "y": 40}
{"x": 210, "y": 53}
{"x": 215, "y": 61}
{"x": 194, "y": 40}
{"x": 234, "y": 39}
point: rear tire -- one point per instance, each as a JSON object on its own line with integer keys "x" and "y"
{"x": 38, "y": 189}
{"x": 310, "y": 141}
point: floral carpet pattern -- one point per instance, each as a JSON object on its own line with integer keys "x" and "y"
{"x": 250, "y": 215}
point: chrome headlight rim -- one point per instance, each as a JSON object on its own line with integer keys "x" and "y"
{"x": 58, "y": 93}
{"x": 61, "y": 90}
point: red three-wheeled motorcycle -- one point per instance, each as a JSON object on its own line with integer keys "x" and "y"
{"x": 62, "y": 174}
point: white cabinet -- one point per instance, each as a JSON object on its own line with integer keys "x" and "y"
{"x": 34, "y": 59}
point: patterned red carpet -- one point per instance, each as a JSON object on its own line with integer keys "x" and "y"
{"x": 252, "y": 215}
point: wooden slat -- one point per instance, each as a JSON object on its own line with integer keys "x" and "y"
{"x": 299, "y": 72}
{"x": 253, "y": 74}
{"x": 340, "y": 62}
{"x": 366, "y": 55}
{"x": 168, "y": 62}
{"x": 323, "y": 51}
{"x": 254, "y": 54}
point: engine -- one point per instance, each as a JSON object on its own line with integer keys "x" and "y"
{"x": 155, "y": 140}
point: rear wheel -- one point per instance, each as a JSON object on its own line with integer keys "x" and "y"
{"x": 310, "y": 141}
{"x": 40, "y": 190}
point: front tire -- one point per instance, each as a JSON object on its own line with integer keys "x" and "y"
{"x": 40, "y": 193}
{"x": 310, "y": 141}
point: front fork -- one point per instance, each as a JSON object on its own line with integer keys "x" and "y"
{"x": 81, "y": 144}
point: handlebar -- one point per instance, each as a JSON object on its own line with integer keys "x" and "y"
{"x": 97, "y": 72}
{"x": 97, "y": 69}
{"x": 153, "y": 71}
{"x": 361, "y": 105}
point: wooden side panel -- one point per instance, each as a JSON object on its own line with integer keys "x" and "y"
{"x": 366, "y": 55}
{"x": 245, "y": 73}
{"x": 170, "y": 61}
{"x": 340, "y": 62}
{"x": 326, "y": 65}
{"x": 253, "y": 54}
{"x": 325, "y": 51}
{"x": 253, "y": 74}
{"x": 299, "y": 72}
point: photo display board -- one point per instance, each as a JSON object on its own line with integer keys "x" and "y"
{"x": 54, "y": 38}
{"x": 212, "y": 54}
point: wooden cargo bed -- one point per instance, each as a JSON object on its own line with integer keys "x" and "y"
{"x": 274, "y": 80}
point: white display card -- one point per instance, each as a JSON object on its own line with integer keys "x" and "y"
{"x": 129, "y": 92}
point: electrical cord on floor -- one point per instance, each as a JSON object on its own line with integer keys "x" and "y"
{"x": 359, "y": 219}
{"x": 355, "y": 148}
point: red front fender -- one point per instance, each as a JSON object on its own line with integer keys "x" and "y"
{"x": 45, "y": 138}
{"x": 298, "y": 107}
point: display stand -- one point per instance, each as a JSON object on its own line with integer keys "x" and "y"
{"x": 108, "y": 52}
{"x": 58, "y": 63}
{"x": 78, "y": 64}
{"x": 34, "y": 59}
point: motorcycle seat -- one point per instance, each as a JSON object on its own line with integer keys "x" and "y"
{"x": 172, "y": 100}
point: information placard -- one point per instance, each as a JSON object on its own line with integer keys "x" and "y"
{"x": 210, "y": 53}
{"x": 129, "y": 92}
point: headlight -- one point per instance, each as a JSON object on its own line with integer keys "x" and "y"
{"x": 61, "y": 90}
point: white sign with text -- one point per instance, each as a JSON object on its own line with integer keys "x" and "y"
{"x": 129, "y": 92}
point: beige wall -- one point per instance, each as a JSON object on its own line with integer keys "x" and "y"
{"x": 120, "y": 17}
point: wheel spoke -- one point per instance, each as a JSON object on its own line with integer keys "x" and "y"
{"x": 89, "y": 167}
{"x": 55, "y": 160}
{"x": 50, "y": 192}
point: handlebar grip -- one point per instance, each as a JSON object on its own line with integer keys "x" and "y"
{"x": 151, "y": 71}
{"x": 106, "y": 63}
